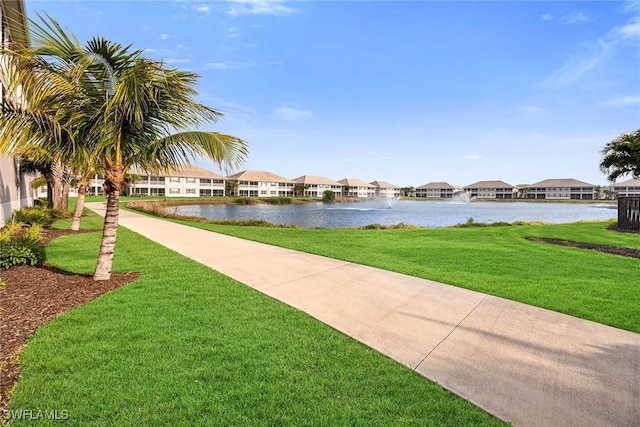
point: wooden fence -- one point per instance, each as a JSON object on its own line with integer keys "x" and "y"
{"x": 629, "y": 213}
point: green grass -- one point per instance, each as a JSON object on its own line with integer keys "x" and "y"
{"x": 494, "y": 260}
{"x": 187, "y": 346}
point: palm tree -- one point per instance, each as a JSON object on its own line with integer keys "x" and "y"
{"x": 622, "y": 156}
{"x": 119, "y": 108}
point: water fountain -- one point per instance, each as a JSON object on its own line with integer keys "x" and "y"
{"x": 463, "y": 197}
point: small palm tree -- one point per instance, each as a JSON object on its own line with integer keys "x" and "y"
{"x": 622, "y": 156}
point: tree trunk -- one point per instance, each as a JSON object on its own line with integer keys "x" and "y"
{"x": 77, "y": 214}
{"x": 108, "y": 245}
{"x": 67, "y": 177}
{"x": 56, "y": 176}
{"x": 50, "y": 185}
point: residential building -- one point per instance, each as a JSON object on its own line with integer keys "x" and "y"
{"x": 562, "y": 189}
{"x": 251, "y": 183}
{"x": 385, "y": 189}
{"x": 353, "y": 187}
{"x": 438, "y": 190}
{"x": 182, "y": 181}
{"x": 317, "y": 185}
{"x": 491, "y": 190}
{"x": 630, "y": 187}
{"x": 15, "y": 186}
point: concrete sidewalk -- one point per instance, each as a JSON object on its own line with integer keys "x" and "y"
{"x": 529, "y": 366}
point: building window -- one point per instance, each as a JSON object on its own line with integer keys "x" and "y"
{"x": 174, "y": 191}
{"x": 174, "y": 179}
{"x": 204, "y": 181}
{"x": 191, "y": 180}
{"x": 191, "y": 191}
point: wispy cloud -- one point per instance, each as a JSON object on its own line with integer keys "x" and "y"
{"x": 546, "y": 17}
{"x": 292, "y": 114}
{"x": 165, "y": 36}
{"x": 473, "y": 157}
{"x": 532, "y": 109}
{"x": 177, "y": 60}
{"x": 228, "y": 65}
{"x": 596, "y": 53}
{"x": 259, "y": 7}
{"x": 574, "y": 18}
{"x": 202, "y": 8}
{"x": 622, "y": 101}
{"x": 232, "y": 33}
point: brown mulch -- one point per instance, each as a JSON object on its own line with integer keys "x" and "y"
{"x": 615, "y": 250}
{"x": 35, "y": 295}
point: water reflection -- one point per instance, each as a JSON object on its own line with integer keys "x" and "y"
{"x": 420, "y": 213}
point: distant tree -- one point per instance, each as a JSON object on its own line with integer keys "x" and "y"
{"x": 231, "y": 188}
{"x": 328, "y": 196}
{"x": 622, "y": 156}
{"x": 300, "y": 188}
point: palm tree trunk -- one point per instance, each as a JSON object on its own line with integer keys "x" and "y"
{"x": 56, "y": 177}
{"x": 107, "y": 247}
{"x": 77, "y": 214}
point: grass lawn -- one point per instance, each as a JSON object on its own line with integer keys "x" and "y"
{"x": 187, "y": 346}
{"x": 494, "y": 260}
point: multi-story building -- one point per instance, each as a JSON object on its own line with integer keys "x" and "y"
{"x": 251, "y": 183}
{"x": 438, "y": 190}
{"x": 182, "y": 181}
{"x": 561, "y": 189}
{"x": 385, "y": 189}
{"x": 15, "y": 186}
{"x": 317, "y": 185}
{"x": 630, "y": 187}
{"x": 353, "y": 187}
{"x": 491, "y": 190}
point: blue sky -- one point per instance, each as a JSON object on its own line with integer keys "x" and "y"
{"x": 408, "y": 92}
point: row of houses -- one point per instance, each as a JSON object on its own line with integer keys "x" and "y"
{"x": 191, "y": 181}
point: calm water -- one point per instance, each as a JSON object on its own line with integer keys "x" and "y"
{"x": 420, "y": 213}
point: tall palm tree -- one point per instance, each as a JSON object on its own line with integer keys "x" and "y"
{"x": 622, "y": 156}
{"x": 120, "y": 107}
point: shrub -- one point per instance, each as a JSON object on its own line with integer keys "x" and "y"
{"x": 21, "y": 251}
{"x": 32, "y": 216}
{"x": 245, "y": 201}
{"x": 328, "y": 196}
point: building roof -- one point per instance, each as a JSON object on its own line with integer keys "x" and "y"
{"x": 186, "y": 171}
{"x": 560, "y": 182}
{"x": 628, "y": 183}
{"x": 383, "y": 184}
{"x": 262, "y": 176}
{"x": 315, "y": 180}
{"x": 437, "y": 186}
{"x": 489, "y": 184}
{"x": 354, "y": 182}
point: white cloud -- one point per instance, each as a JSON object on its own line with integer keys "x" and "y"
{"x": 473, "y": 157}
{"x": 631, "y": 30}
{"x": 202, "y": 8}
{"x": 575, "y": 18}
{"x": 292, "y": 114}
{"x": 546, "y": 17}
{"x": 177, "y": 60}
{"x": 532, "y": 109}
{"x": 232, "y": 33}
{"x": 165, "y": 36}
{"x": 622, "y": 101}
{"x": 578, "y": 65}
{"x": 259, "y": 7}
{"x": 229, "y": 64}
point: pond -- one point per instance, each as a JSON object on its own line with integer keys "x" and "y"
{"x": 429, "y": 214}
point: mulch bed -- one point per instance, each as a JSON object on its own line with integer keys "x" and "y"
{"x": 35, "y": 295}
{"x": 615, "y": 250}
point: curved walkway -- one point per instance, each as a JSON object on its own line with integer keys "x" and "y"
{"x": 526, "y": 365}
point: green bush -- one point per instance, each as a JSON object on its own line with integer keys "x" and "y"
{"x": 328, "y": 196}
{"x": 31, "y": 216}
{"x": 245, "y": 201}
{"x": 21, "y": 251}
